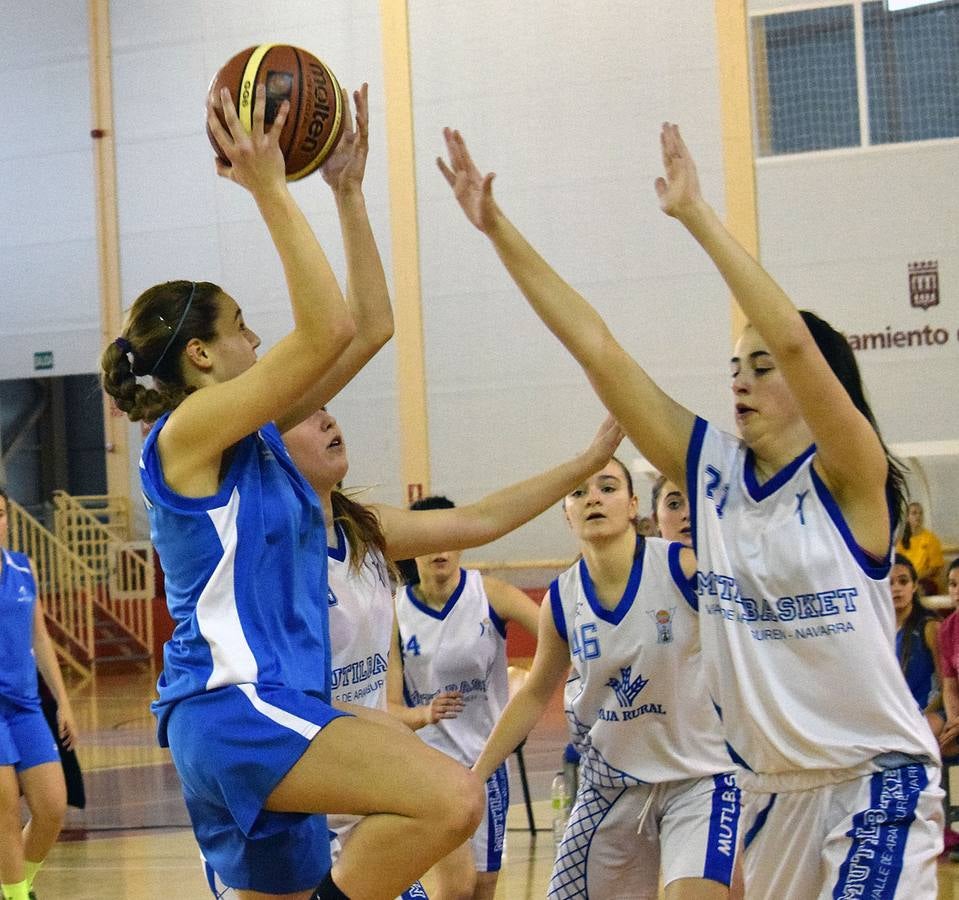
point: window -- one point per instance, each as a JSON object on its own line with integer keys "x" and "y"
{"x": 814, "y": 90}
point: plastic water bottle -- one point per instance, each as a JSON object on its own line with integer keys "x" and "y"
{"x": 561, "y": 806}
{"x": 571, "y": 769}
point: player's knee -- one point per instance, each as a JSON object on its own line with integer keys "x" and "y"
{"x": 49, "y": 814}
{"x": 466, "y": 805}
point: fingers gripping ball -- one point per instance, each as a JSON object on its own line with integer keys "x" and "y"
{"x": 316, "y": 117}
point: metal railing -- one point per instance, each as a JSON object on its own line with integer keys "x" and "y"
{"x": 97, "y": 529}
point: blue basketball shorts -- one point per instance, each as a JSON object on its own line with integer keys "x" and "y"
{"x": 231, "y": 747}
{"x": 25, "y": 738}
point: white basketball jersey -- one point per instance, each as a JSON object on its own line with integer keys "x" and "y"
{"x": 640, "y": 707}
{"x": 797, "y": 624}
{"x": 361, "y": 626}
{"x": 461, "y": 647}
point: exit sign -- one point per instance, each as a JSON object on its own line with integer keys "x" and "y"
{"x": 43, "y": 360}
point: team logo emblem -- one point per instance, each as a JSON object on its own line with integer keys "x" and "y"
{"x": 664, "y": 624}
{"x": 626, "y": 687}
{"x": 331, "y": 597}
{"x": 924, "y": 284}
{"x": 23, "y": 596}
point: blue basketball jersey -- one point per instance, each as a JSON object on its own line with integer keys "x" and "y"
{"x": 246, "y": 578}
{"x": 18, "y": 599}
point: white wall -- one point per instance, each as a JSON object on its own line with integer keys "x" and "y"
{"x": 48, "y": 265}
{"x": 564, "y": 101}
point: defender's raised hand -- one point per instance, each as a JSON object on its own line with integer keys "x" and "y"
{"x": 679, "y": 191}
{"x": 473, "y": 190}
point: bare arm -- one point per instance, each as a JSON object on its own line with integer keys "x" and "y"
{"x": 550, "y": 665}
{"x": 511, "y": 604}
{"x": 657, "y": 424}
{"x": 367, "y": 295}
{"x": 849, "y": 452}
{"x": 214, "y": 418}
{"x": 411, "y": 533}
{"x": 445, "y": 705}
{"x": 46, "y": 657}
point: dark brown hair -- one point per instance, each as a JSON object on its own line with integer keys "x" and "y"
{"x": 362, "y": 529}
{"x": 841, "y": 359}
{"x": 161, "y": 322}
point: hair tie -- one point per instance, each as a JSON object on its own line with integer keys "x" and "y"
{"x": 123, "y": 345}
{"x": 176, "y": 331}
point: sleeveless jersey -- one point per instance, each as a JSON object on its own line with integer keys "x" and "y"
{"x": 361, "y": 625}
{"x": 797, "y": 625}
{"x": 18, "y": 600}
{"x": 639, "y": 708}
{"x": 461, "y": 647}
{"x": 245, "y": 575}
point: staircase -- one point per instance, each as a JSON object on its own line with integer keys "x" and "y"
{"x": 96, "y": 585}
{"x": 98, "y": 530}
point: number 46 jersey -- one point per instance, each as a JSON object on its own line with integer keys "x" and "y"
{"x": 641, "y": 709}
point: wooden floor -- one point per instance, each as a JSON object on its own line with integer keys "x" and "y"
{"x": 133, "y": 839}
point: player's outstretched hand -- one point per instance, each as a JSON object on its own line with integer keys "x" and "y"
{"x": 678, "y": 191}
{"x": 607, "y": 439}
{"x": 473, "y": 190}
{"x": 256, "y": 161}
{"x": 344, "y": 168}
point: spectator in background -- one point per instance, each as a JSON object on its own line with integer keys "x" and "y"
{"x": 917, "y": 642}
{"x": 923, "y": 549}
{"x": 949, "y": 661}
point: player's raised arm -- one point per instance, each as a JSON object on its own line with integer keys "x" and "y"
{"x": 367, "y": 294}
{"x": 848, "y": 447}
{"x": 657, "y": 424}
{"x": 411, "y": 533}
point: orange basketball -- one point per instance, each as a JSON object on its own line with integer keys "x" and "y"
{"x": 315, "y": 121}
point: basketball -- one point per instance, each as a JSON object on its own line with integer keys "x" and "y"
{"x": 315, "y": 120}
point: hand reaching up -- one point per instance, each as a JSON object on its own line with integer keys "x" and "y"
{"x": 679, "y": 191}
{"x": 256, "y": 161}
{"x": 473, "y": 190}
{"x": 345, "y": 166}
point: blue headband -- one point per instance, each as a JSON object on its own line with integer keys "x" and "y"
{"x": 176, "y": 331}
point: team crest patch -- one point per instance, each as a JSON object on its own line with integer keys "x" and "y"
{"x": 664, "y": 624}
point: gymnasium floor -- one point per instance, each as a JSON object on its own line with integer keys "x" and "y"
{"x": 133, "y": 840}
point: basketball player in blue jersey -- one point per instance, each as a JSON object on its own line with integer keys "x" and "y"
{"x": 651, "y": 742}
{"x": 793, "y": 523}
{"x": 29, "y": 758}
{"x": 363, "y": 540}
{"x": 451, "y": 629}
{"x": 244, "y": 699}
